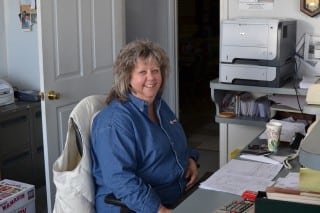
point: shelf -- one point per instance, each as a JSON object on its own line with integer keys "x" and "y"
{"x": 287, "y": 89}
{"x": 243, "y": 120}
{"x": 219, "y": 90}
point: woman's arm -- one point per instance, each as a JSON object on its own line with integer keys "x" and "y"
{"x": 191, "y": 174}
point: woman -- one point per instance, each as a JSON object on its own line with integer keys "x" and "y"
{"x": 139, "y": 148}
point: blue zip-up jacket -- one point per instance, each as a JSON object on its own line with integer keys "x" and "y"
{"x": 140, "y": 162}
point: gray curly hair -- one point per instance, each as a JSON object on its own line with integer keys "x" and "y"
{"x": 126, "y": 61}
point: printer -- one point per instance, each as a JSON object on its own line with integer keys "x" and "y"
{"x": 257, "y": 51}
{"x": 6, "y": 93}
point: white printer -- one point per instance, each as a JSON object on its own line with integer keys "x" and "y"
{"x": 257, "y": 51}
{"x": 6, "y": 93}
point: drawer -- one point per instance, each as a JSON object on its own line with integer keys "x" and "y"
{"x": 18, "y": 168}
{"x": 14, "y": 131}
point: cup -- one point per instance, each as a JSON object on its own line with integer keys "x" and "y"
{"x": 273, "y": 134}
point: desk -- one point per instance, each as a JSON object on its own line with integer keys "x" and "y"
{"x": 21, "y": 147}
{"x": 206, "y": 201}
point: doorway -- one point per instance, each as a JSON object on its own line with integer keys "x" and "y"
{"x": 198, "y": 63}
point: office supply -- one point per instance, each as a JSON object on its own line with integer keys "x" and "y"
{"x": 256, "y": 149}
{"x": 289, "y": 128}
{"x": 311, "y": 47}
{"x": 237, "y": 206}
{"x": 313, "y": 96}
{"x": 307, "y": 81}
{"x": 308, "y": 51}
{"x": 6, "y": 93}
{"x": 309, "y": 180}
{"x": 277, "y": 193}
{"x": 287, "y": 102}
{"x": 240, "y": 175}
{"x": 244, "y": 205}
{"x": 257, "y": 51}
{"x": 290, "y": 181}
{"x": 27, "y": 95}
{"x": 248, "y": 105}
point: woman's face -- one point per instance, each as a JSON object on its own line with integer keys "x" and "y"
{"x": 146, "y": 79}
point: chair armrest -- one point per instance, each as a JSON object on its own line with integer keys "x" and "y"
{"x": 111, "y": 199}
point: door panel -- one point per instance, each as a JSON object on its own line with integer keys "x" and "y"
{"x": 78, "y": 42}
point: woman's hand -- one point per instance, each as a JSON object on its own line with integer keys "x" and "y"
{"x": 191, "y": 174}
{"x": 163, "y": 209}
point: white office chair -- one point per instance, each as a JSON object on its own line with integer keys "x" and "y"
{"x": 72, "y": 170}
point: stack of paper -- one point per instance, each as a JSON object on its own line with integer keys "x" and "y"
{"x": 238, "y": 176}
{"x": 276, "y": 193}
{"x": 307, "y": 81}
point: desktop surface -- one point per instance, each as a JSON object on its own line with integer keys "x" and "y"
{"x": 205, "y": 201}
{"x": 208, "y": 201}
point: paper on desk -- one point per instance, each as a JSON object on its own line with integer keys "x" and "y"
{"x": 238, "y": 176}
{"x": 259, "y": 158}
{"x": 291, "y": 181}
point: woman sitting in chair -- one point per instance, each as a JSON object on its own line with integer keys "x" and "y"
{"x": 139, "y": 148}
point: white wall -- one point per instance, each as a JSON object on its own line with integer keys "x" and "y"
{"x": 21, "y": 50}
{"x": 3, "y": 61}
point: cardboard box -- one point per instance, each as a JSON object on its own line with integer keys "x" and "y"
{"x": 16, "y": 197}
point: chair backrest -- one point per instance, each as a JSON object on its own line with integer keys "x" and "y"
{"x": 81, "y": 118}
{"x": 72, "y": 170}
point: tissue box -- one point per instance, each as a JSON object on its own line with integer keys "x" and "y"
{"x": 16, "y": 197}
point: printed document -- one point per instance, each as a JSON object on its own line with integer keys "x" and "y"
{"x": 238, "y": 176}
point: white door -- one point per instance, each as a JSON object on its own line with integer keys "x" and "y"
{"x": 78, "y": 42}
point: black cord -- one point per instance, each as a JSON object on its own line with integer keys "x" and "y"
{"x": 295, "y": 86}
